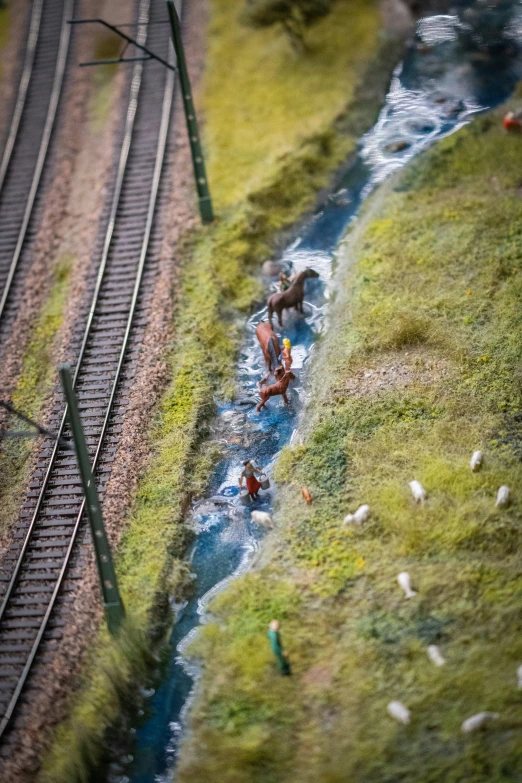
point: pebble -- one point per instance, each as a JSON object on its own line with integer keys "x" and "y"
{"x": 272, "y": 268}
{"x": 397, "y": 146}
{"x": 519, "y": 676}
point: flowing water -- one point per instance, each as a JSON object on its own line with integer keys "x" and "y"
{"x": 457, "y": 65}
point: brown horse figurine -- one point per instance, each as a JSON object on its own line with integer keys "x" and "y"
{"x": 292, "y": 297}
{"x": 283, "y": 379}
{"x": 270, "y": 347}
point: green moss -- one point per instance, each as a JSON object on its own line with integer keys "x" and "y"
{"x": 32, "y": 390}
{"x": 431, "y": 294}
{"x": 108, "y": 47}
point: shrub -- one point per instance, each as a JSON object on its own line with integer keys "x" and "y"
{"x": 294, "y": 16}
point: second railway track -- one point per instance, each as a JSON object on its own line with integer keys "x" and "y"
{"x": 28, "y": 140}
{"x": 52, "y": 520}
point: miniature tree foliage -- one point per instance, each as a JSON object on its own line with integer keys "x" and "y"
{"x": 294, "y": 16}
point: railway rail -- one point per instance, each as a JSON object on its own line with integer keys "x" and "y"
{"x": 51, "y": 535}
{"x": 29, "y": 136}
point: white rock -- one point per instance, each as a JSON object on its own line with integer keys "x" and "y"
{"x": 360, "y": 516}
{"x": 404, "y": 581}
{"x": 262, "y": 518}
{"x": 478, "y": 720}
{"x": 502, "y": 496}
{"x": 435, "y": 655}
{"x": 475, "y": 462}
{"x": 399, "y": 711}
{"x": 272, "y": 268}
{"x": 519, "y": 675}
{"x": 418, "y": 491}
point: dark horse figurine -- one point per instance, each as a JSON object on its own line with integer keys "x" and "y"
{"x": 283, "y": 379}
{"x": 292, "y": 297}
{"x": 270, "y": 347}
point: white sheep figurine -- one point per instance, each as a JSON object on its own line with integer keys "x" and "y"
{"x": 404, "y": 581}
{"x": 360, "y": 516}
{"x": 262, "y": 518}
{"x": 399, "y": 711}
{"x": 519, "y": 675}
{"x": 475, "y": 462}
{"x": 418, "y": 491}
{"x": 435, "y": 655}
{"x": 477, "y": 721}
{"x": 502, "y": 496}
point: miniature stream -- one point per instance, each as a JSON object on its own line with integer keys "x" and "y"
{"x": 458, "y": 65}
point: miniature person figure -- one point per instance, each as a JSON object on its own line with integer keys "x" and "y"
{"x": 286, "y": 353}
{"x": 284, "y": 282}
{"x": 512, "y": 121}
{"x": 252, "y": 484}
{"x": 277, "y": 647}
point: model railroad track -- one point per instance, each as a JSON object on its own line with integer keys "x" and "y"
{"x": 29, "y": 136}
{"x": 48, "y": 545}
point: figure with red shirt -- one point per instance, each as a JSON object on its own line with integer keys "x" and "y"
{"x": 512, "y": 121}
{"x": 252, "y": 484}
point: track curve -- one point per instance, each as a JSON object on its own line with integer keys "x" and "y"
{"x": 46, "y": 548}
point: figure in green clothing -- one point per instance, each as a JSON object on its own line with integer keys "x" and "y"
{"x": 277, "y": 647}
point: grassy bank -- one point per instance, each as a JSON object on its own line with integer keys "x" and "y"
{"x": 34, "y": 387}
{"x": 422, "y": 368}
{"x": 219, "y": 284}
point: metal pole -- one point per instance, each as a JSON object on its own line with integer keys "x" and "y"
{"x": 112, "y": 603}
{"x": 205, "y": 201}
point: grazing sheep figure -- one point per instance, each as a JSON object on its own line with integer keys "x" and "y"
{"x": 476, "y": 461}
{"x": 477, "y": 721}
{"x": 360, "y": 516}
{"x": 399, "y": 711}
{"x": 404, "y": 580}
{"x": 502, "y": 496}
{"x": 418, "y": 491}
{"x": 292, "y": 297}
{"x": 435, "y": 655}
{"x": 262, "y": 518}
{"x": 519, "y": 675}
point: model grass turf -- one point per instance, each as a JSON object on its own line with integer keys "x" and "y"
{"x": 434, "y": 285}
{"x": 219, "y": 284}
{"x": 32, "y": 390}
{"x": 261, "y": 101}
